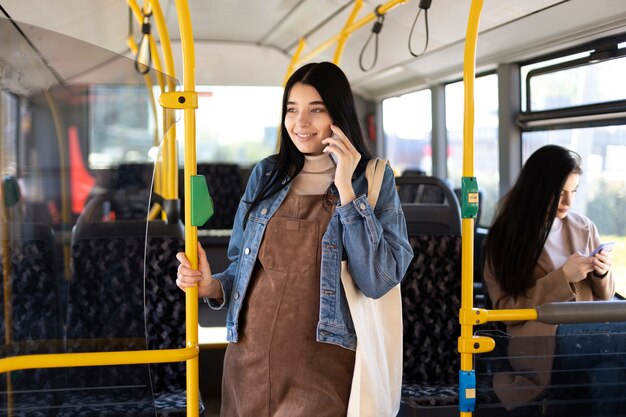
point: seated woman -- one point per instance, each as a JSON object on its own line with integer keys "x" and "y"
{"x": 537, "y": 252}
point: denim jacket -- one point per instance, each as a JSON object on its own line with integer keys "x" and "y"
{"x": 375, "y": 241}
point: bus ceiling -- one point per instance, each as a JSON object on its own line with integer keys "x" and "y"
{"x": 233, "y": 36}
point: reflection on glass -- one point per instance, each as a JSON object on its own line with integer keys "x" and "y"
{"x": 601, "y": 195}
{"x": 121, "y": 125}
{"x": 532, "y": 377}
{"x": 485, "y": 139}
{"x": 407, "y": 125}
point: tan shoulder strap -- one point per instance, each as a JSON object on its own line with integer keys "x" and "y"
{"x": 374, "y": 174}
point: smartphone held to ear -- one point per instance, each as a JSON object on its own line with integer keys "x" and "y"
{"x": 608, "y": 246}
{"x": 333, "y": 157}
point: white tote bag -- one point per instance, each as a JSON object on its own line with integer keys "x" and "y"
{"x": 377, "y": 380}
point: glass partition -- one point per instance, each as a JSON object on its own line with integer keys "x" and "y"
{"x": 88, "y": 233}
{"x": 574, "y": 375}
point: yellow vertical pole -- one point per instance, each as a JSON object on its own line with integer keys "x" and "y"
{"x": 166, "y": 182}
{"x": 170, "y": 171}
{"x": 191, "y": 232}
{"x": 156, "y": 63}
{"x": 345, "y": 32}
{"x": 466, "y": 347}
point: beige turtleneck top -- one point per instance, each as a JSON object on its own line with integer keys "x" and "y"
{"x": 316, "y": 175}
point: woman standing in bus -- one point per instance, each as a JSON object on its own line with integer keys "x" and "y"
{"x": 293, "y": 340}
{"x": 537, "y": 252}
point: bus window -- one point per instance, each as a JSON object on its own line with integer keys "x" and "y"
{"x": 550, "y": 88}
{"x": 236, "y": 124}
{"x": 485, "y": 139}
{"x": 407, "y": 124}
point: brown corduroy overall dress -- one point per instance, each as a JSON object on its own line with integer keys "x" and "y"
{"x": 278, "y": 369}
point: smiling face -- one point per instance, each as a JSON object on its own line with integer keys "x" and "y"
{"x": 307, "y": 120}
{"x": 566, "y": 199}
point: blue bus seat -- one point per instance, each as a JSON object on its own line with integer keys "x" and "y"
{"x": 33, "y": 306}
{"x": 106, "y": 303}
{"x": 431, "y": 298}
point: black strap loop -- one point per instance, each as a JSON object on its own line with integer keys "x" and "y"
{"x": 144, "y": 67}
{"x": 378, "y": 26}
{"x": 424, "y": 5}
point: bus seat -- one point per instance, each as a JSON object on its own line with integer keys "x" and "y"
{"x": 226, "y": 188}
{"x": 416, "y": 187}
{"x": 431, "y": 297}
{"x": 123, "y": 193}
{"x": 106, "y": 303}
{"x": 34, "y": 313}
{"x": 132, "y": 191}
{"x": 438, "y": 213}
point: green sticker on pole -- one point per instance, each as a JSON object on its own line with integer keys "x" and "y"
{"x": 469, "y": 197}
{"x": 201, "y": 202}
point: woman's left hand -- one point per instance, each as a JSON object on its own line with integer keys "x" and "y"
{"x": 347, "y": 160}
{"x": 602, "y": 262}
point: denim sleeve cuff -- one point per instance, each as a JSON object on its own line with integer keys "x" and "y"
{"x": 359, "y": 206}
{"x": 216, "y": 303}
{"x": 213, "y": 303}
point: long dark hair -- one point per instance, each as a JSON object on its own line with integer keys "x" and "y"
{"x": 334, "y": 89}
{"x": 525, "y": 215}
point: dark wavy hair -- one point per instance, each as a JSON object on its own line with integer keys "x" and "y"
{"x": 525, "y": 215}
{"x": 334, "y": 89}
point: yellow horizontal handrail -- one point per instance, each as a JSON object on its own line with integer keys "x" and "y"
{"x": 384, "y": 8}
{"x": 57, "y": 360}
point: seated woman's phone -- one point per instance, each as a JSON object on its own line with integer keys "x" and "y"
{"x": 606, "y": 246}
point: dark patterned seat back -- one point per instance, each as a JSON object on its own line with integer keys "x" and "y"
{"x": 226, "y": 188}
{"x": 431, "y": 297}
{"x": 106, "y": 297}
{"x": 27, "y": 253}
{"x": 132, "y": 191}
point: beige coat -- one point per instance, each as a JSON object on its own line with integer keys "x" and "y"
{"x": 550, "y": 286}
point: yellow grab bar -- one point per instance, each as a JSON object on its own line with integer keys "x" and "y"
{"x": 346, "y": 31}
{"x": 467, "y": 343}
{"x": 344, "y": 34}
{"x": 56, "y": 360}
{"x": 191, "y": 232}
